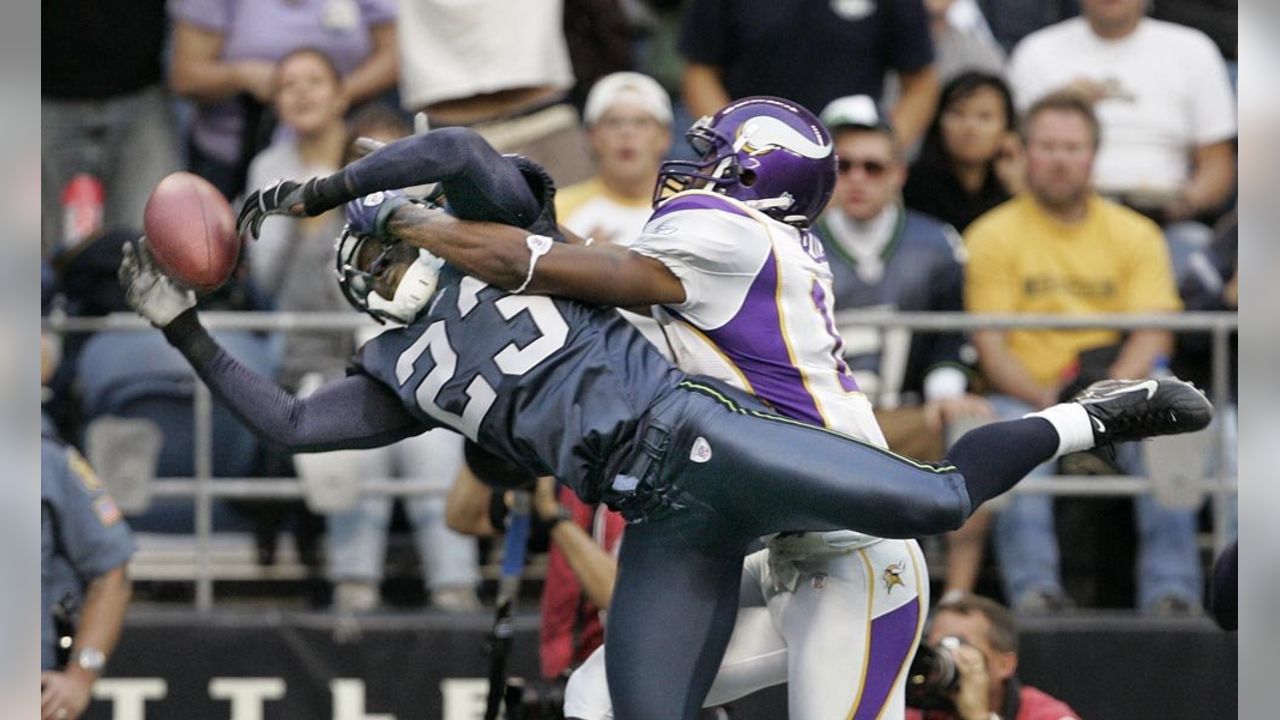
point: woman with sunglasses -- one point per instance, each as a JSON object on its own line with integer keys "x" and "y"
{"x": 971, "y": 159}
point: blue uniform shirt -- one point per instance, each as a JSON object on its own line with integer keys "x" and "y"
{"x": 82, "y": 535}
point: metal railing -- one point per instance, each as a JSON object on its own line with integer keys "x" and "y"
{"x": 204, "y": 489}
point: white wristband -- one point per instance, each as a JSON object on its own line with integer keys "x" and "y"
{"x": 539, "y": 245}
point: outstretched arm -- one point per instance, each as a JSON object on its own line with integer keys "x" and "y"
{"x": 479, "y": 182}
{"x": 352, "y": 413}
{"x": 355, "y": 412}
{"x": 502, "y": 255}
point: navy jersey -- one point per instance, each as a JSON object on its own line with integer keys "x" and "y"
{"x": 554, "y": 386}
{"x": 922, "y": 271}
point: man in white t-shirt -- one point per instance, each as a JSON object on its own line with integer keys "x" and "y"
{"x": 628, "y": 118}
{"x": 1162, "y": 94}
{"x": 502, "y": 69}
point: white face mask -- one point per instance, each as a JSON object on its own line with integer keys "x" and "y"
{"x": 416, "y": 287}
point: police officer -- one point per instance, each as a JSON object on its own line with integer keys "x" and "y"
{"x": 84, "y": 590}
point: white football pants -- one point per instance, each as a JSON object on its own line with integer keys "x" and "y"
{"x": 842, "y": 638}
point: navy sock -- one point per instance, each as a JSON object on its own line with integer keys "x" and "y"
{"x": 993, "y": 458}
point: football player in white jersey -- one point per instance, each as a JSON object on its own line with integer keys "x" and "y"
{"x": 837, "y": 614}
{"x": 743, "y": 292}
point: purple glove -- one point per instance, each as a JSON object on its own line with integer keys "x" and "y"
{"x": 370, "y": 214}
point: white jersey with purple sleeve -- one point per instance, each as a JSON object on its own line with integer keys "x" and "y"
{"x": 822, "y": 610}
{"x": 757, "y": 311}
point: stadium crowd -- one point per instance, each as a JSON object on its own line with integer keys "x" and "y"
{"x": 994, "y": 156}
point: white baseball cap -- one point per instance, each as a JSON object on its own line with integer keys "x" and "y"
{"x": 633, "y": 86}
{"x": 855, "y": 111}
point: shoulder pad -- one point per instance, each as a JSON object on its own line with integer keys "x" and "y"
{"x": 699, "y": 200}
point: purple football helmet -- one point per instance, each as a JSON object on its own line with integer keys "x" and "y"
{"x": 768, "y": 152}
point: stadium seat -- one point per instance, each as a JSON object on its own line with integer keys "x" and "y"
{"x": 139, "y": 376}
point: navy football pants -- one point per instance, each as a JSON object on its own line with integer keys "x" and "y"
{"x": 714, "y": 472}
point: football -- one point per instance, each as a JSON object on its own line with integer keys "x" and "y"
{"x": 191, "y": 231}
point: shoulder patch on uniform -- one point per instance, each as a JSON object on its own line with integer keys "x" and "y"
{"x": 82, "y": 469}
{"x": 701, "y": 451}
{"x": 107, "y": 510}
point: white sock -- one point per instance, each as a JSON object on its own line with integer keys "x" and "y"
{"x": 1075, "y": 432}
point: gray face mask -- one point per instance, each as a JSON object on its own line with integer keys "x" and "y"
{"x": 414, "y": 291}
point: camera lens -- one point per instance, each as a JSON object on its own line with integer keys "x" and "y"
{"x": 933, "y": 677}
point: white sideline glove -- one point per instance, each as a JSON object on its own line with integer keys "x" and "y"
{"x": 151, "y": 293}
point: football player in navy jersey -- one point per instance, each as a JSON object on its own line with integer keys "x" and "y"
{"x": 751, "y": 307}
{"x": 700, "y": 469}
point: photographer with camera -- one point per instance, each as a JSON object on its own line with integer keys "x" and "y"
{"x": 967, "y": 668}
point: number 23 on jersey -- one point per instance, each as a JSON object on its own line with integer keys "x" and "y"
{"x": 511, "y": 359}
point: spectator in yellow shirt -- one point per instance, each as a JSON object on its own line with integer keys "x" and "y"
{"x": 1060, "y": 248}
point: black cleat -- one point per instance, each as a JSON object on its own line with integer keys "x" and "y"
{"x": 1122, "y": 410}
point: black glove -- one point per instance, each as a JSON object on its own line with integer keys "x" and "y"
{"x": 285, "y": 197}
{"x": 370, "y": 214}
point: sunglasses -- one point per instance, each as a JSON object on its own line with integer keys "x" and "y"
{"x": 873, "y": 168}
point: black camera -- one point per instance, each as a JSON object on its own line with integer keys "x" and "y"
{"x": 934, "y": 678}
{"x": 535, "y": 699}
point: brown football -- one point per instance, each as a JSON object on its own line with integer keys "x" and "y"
{"x": 191, "y": 231}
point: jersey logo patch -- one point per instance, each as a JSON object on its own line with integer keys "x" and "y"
{"x": 701, "y": 451}
{"x": 892, "y": 576}
{"x": 107, "y": 510}
{"x": 373, "y": 199}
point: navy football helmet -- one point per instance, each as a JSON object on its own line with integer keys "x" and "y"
{"x": 360, "y": 258}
